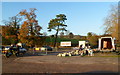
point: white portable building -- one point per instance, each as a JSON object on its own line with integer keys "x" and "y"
{"x": 106, "y": 43}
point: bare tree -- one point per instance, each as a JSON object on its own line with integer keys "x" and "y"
{"x": 111, "y": 22}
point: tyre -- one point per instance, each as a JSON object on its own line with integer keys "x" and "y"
{"x": 20, "y": 54}
{"x": 7, "y": 55}
{"x": 17, "y": 54}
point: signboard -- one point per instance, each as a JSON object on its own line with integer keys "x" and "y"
{"x": 37, "y": 49}
{"x": 68, "y": 43}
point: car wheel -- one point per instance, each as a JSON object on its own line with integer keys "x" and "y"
{"x": 17, "y": 54}
{"x": 7, "y": 55}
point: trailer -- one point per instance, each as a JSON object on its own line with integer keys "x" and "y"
{"x": 107, "y": 44}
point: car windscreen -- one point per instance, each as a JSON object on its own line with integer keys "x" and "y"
{"x": 7, "y": 47}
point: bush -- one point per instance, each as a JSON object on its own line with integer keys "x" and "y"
{"x": 118, "y": 45}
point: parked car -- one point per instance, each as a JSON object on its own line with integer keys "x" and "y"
{"x": 7, "y": 48}
{"x": 48, "y": 48}
{"x": 22, "y": 49}
{"x": 1, "y": 48}
{"x": 14, "y": 51}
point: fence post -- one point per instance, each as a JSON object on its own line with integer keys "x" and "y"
{"x": 46, "y": 51}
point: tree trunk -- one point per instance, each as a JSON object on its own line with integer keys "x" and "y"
{"x": 56, "y": 37}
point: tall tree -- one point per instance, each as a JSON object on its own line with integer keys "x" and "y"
{"x": 71, "y": 35}
{"x": 14, "y": 24}
{"x": 93, "y": 39}
{"x": 32, "y": 23}
{"x": 111, "y": 22}
{"x": 57, "y": 24}
{"x": 62, "y": 34}
{"x": 89, "y": 34}
{"x": 8, "y": 34}
{"x": 23, "y": 33}
{"x": 30, "y": 30}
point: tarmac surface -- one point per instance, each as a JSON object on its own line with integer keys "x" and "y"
{"x": 52, "y": 64}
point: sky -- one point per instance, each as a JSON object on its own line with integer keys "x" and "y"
{"x": 82, "y": 17}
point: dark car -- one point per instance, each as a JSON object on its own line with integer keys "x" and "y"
{"x": 7, "y": 48}
{"x": 48, "y": 48}
{"x": 1, "y": 48}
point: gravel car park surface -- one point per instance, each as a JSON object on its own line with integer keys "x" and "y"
{"x": 52, "y": 64}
